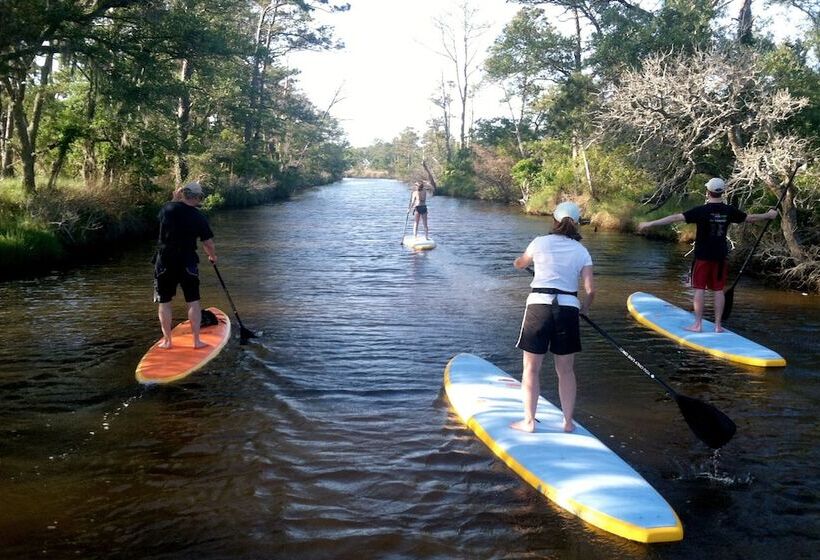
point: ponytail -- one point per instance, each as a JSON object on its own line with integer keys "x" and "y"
{"x": 568, "y": 228}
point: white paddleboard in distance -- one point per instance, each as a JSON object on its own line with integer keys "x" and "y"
{"x": 574, "y": 470}
{"x": 418, "y": 243}
{"x": 670, "y": 320}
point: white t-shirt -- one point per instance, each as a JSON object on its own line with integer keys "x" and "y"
{"x": 558, "y": 262}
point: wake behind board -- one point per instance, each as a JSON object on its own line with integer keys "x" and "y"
{"x": 163, "y": 366}
{"x": 670, "y": 320}
{"x": 574, "y": 470}
{"x": 418, "y": 243}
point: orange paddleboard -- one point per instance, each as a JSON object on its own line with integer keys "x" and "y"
{"x": 163, "y": 366}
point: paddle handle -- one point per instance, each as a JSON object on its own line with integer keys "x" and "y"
{"x": 230, "y": 300}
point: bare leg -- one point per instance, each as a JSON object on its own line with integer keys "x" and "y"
{"x": 530, "y": 387}
{"x": 165, "y": 317}
{"x": 720, "y": 301}
{"x": 698, "y": 303}
{"x": 195, "y": 317}
{"x": 564, "y": 367}
{"x": 415, "y": 223}
{"x": 426, "y": 229}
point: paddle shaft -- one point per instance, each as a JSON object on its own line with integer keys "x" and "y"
{"x": 244, "y": 333}
{"x": 757, "y": 241}
{"x": 630, "y": 357}
{"x": 406, "y": 218}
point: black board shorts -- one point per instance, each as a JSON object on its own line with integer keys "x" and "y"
{"x": 166, "y": 280}
{"x": 421, "y": 209}
{"x": 542, "y": 333}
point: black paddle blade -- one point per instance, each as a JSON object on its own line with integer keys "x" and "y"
{"x": 245, "y": 334}
{"x": 729, "y": 296}
{"x": 710, "y": 425}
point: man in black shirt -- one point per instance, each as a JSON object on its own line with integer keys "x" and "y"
{"x": 176, "y": 260}
{"x": 710, "y": 268}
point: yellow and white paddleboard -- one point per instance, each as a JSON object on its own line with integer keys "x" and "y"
{"x": 161, "y": 365}
{"x": 670, "y": 320}
{"x": 418, "y": 243}
{"x": 574, "y": 470}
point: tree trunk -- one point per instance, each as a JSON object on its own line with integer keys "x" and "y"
{"x": 90, "y": 167}
{"x": 744, "y": 24}
{"x": 17, "y": 95}
{"x": 7, "y": 155}
{"x": 183, "y": 123}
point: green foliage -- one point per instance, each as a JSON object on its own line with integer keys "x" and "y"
{"x": 458, "y": 178}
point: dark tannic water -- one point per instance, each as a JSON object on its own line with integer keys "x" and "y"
{"x": 330, "y": 436}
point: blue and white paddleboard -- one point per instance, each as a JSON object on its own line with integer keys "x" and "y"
{"x": 574, "y": 470}
{"x": 418, "y": 243}
{"x": 670, "y": 320}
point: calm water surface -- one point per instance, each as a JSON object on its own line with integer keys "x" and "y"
{"x": 330, "y": 436}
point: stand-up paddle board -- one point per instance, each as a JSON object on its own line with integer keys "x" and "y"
{"x": 161, "y": 365}
{"x": 418, "y": 243}
{"x": 574, "y": 470}
{"x": 670, "y": 320}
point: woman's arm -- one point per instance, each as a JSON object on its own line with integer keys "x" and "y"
{"x": 589, "y": 289}
{"x": 523, "y": 261}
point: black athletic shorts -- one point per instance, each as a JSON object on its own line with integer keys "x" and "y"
{"x": 167, "y": 278}
{"x": 421, "y": 209}
{"x": 541, "y": 333}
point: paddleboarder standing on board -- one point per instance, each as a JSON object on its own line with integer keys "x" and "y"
{"x": 181, "y": 223}
{"x": 418, "y": 204}
{"x": 551, "y": 318}
{"x": 710, "y": 269}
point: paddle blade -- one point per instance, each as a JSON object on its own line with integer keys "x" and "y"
{"x": 710, "y": 425}
{"x": 729, "y": 297}
{"x": 245, "y": 334}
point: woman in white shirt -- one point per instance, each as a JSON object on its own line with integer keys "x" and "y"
{"x": 551, "y": 319}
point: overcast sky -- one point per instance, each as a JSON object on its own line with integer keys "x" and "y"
{"x": 389, "y": 67}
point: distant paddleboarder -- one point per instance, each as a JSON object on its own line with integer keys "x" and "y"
{"x": 551, "y": 318}
{"x": 418, "y": 205}
{"x": 710, "y": 269}
{"x": 176, "y": 260}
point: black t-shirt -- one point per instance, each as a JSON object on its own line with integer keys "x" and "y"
{"x": 713, "y": 221}
{"x": 179, "y": 227}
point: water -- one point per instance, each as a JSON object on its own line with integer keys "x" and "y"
{"x": 330, "y": 436}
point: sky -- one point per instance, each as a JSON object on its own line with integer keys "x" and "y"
{"x": 390, "y": 67}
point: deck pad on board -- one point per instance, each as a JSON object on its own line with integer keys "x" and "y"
{"x": 161, "y": 365}
{"x": 670, "y": 320}
{"x": 574, "y": 470}
{"x": 418, "y": 242}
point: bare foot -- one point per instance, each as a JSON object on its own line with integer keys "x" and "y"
{"x": 199, "y": 344}
{"x": 718, "y": 328}
{"x": 693, "y": 328}
{"x": 165, "y": 344}
{"x": 523, "y": 426}
{"x": 569, "y": 426}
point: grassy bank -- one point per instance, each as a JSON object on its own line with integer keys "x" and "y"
{"x": 57, "y": 228}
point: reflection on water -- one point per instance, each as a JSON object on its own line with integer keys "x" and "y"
{"x": 330, "y": 436}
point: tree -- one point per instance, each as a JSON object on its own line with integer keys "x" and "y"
{"x": 458, "y": 33}
{"x": 680, "y": 111}
{"x": 528, "y": 54}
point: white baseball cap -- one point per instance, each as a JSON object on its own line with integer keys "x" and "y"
{"x": 716, "y": 185}
{"x": 567, "y": 209}
{"x": 193, "y": 189}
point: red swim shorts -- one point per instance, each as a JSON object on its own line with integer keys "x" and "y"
{"x": 709, "y": 275}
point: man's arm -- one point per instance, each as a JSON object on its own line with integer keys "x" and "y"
{"x": 770, "y": 215}
{"x": 671, "y": 219}
{"x": 210, "y": 249}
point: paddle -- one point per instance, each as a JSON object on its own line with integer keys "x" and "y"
{"x": 244, "y": 334}
{"x": 709, "y": 424}
{"x": 406, "y": 217}
{"x": 729, "y": 295}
